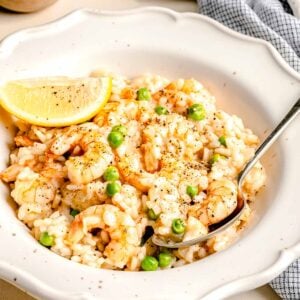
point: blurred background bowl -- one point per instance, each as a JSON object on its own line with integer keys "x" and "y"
{"x": 25, "y": 5}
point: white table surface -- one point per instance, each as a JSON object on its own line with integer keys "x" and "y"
{"x": 10, "y": 22}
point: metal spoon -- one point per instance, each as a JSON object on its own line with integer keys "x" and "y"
{"x": 241, "y": 201}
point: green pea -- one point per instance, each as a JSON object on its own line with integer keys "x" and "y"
{"x": 120, "y": 128}
{"x": 152, "y": 215}
{"x": 216, "y": 157}
{"x": 111, "y": 174}
{"x": 149, "y": 263}
{"x": 115, "y": 139}
{"x": 178, "y": 226}
{"x": 192, "y": 191}
{"x": 74, "y": 212}
{"x": 196, "y": 112}
{"x": 46, "y": 239}
{"x": 222, "y": 140}
{"x": 164, "y": 259}
{"x": 112, "y": 188}
{"x": 160, "y": 110}
{"x": 143, "y": 94}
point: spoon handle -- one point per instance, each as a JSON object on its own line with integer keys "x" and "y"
{"x": 272, "y": 137}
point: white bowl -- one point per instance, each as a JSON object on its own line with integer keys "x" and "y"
{"x": 248, "y": 77}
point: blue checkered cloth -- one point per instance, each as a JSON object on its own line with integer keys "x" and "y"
{"x": 271, "y": 20}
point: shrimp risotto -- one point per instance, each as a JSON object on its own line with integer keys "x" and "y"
{"x": 159, "y": 157}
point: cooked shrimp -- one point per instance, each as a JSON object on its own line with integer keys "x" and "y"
{"x": 220, "y": 202}
{"x": 92, "y": 164}
{"x": 129, "y": 160}
{"x": 34, "y": 193}
{"x": 119, "y": 225}
{"x": 97, "y": 153}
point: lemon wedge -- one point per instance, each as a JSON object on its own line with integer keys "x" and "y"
{"x": 55, "y": 101}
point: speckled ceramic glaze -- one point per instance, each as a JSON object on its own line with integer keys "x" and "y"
{"x": 247, "y": 76}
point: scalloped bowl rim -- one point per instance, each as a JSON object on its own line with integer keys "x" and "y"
{"x": 10, "y": 41}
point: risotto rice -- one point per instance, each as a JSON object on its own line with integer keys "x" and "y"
{"x": 159, "y": 157}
